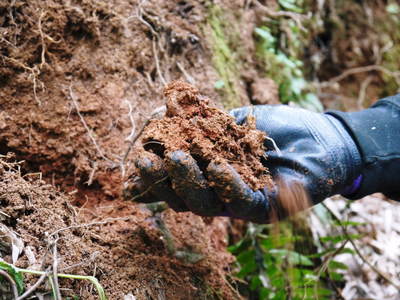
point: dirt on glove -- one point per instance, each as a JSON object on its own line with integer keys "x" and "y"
{"x": 192, "y": 125}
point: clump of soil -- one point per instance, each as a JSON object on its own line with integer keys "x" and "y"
{"x": 208, "y": 134}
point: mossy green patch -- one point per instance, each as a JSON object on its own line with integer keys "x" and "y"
{"x": 222, "y": 40}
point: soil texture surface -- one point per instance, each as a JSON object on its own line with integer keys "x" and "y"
{"x": 78, "y": 79}
{"x": 209, "y": 134}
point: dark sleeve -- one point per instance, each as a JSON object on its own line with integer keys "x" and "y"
{"x": 376, "y": 131}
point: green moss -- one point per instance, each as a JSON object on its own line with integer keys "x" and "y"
{"x": 391, "y": 58}
{"x": 224, "y": 57}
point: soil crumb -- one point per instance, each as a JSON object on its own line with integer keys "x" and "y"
{"x": 192, "y": 125}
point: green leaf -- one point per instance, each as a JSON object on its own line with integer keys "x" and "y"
{"x": 247, "y": 262}
{"x": 219, "y": 84}
{"x": 268, "y": 39}
{"x": 336, "y": 276}
{"x": 17, "y": 276}
{"x": 293, "y": 257}
{"x": 349, "y": 223}
{"x": 311, "y": 102}
{"x": 255, "y": 283}
{"x": 347, "y": 250}
{"x": 339, "y": 238}
{"x": 333, "y": 265}
{"x": 264, "y": 292}
{"x": 290, "y": 5}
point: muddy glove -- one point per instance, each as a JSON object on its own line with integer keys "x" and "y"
{"x": 306, "y": 148}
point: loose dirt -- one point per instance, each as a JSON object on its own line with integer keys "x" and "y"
{"x": 192, "y": 125}
{"x": 126, "y": 253}
{"x": 77, "y": 79}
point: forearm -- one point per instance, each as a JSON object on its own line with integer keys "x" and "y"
{"x": 376, "y": 132}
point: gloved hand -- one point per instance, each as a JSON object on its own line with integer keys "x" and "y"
{"x": 303, "y": 147}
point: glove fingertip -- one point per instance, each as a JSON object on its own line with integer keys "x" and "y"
{"x": 241, "y": 201}
{"x": 153, "y": 174}
{"x": 190, "y": 184}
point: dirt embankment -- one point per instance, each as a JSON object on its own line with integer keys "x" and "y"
{"x": 127, "y": 254}
{"x": 77, "y": 81}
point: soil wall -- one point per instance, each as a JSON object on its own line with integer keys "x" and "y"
{"x": 77, "y": 81}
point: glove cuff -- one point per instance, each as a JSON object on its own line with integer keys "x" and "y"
{"x": 376, "y": 132}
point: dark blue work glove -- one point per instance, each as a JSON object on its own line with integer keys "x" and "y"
{"x": 303, "y": 148}
{"x": 376, "y": 131}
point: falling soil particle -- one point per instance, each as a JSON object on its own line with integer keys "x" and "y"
{"x": 208, "y": 134}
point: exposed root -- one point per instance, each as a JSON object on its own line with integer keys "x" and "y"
{"x": 106, "y": 221}
{"x": 134, "y": 136}
{"x": 188, "y": 77}
{"x": 88, "y": 130}
{"x": 296, "y": 17}
{"x": 148, "y": 189}
{"x": 156, "y": 41}
{"x": 363, "y": 91}
{"x": 34, "y": 287}
{"x": 43, "y": 58}
{"x": 155, "y": 53}
{"x": 352, "y": 71}
{"x": 54, "y": 271}
{"x": 34, "y": 73}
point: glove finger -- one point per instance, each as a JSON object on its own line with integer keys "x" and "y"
{"x": 154, "y": 176}
{"x": 240, "y": 200}
{"x": 191, "y": 185}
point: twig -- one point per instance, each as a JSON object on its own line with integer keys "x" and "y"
{"x": 86, "y": 262}
{"x": 35, "y": 286}
{"x": 188, "y": 77}
{"x": 363, "y": 258}
{"x": 292, "y": 15}
{"x": 34, "y": 73}
{"x": 91, "y": 176}
{"x": 130, "y": 137}
{"x": 140, "y": 17}
{"x": 57, "y": 293}
{"x": 148, "y": 189}
{"x": 43, "y": 58}
{"x": 363, "y": 90}
{"x": 155, "y": 114}
{"x": 352, "y": 71}
{"x": 324, "y": 265}
{"x": 92, "y": 279}
{"x": 89, "y": 131}
{"x": 155, "y": 37}
{"x": 108, "y": 220}
{"x": 12, "y": 283}
{"x": 155, "y": 53}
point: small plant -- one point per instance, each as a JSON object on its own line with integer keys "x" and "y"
{"x": 280, "y": 52}
{"x": 17, "y": 276}
{"x": 272, "y": 260}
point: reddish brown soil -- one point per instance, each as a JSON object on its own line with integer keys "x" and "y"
{"x": 73, "y": 75}
{"x": 208, "y": 134}
{"x": 127, "y": 254}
